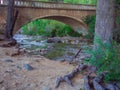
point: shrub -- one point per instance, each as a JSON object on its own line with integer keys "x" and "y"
{"x": 90, "y": 21}
{"x": 116, "y": 32}
{"x": 49, "y": 28}
{"x": 105, "y": 58}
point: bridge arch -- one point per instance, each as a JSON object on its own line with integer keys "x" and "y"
{"x": 67, "y": 13}
{"x": 76, "y": 24}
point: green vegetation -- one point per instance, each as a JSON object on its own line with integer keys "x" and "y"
{"x": 106, "y": 59}
{"x": 50, "y": 28}
{"x": 118, "y": 1}
{"x": 73, "y": 1}
{"x": 116, "y": 32}
{"x": 81, "y": 1}
{"x": 90, "y": 21}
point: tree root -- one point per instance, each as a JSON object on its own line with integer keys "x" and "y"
{"x": 86, "y": 83}
{"x": 90, "y": 82}
{"x": 67, "y": 78}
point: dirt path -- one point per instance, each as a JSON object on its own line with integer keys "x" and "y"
{"x": 13, "y": 75}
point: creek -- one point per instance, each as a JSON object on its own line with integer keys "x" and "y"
{"x": 56, "y": 48}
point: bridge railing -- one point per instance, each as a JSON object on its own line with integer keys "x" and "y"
{"x": 38, "y": 4}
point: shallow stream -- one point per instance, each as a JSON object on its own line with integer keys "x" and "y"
{"x": 64, "y": 50}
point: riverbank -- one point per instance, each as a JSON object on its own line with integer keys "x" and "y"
{"x": 14, "y": 76}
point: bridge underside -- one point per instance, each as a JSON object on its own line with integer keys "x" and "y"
{"x": 76, "y": 24}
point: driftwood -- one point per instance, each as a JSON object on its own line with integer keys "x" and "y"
{"x": 67, "y": 78}
{"x": 76, "y": 54}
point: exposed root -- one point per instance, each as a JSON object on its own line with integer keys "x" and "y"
{"x": 67, "y": 78}
{"x": 90, "y": 82}
{"x": 86, "y": 83}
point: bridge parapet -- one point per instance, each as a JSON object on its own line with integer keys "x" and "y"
{"x": 38, "y": 4}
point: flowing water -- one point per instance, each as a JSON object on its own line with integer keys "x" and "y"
{"x": 65, "y": 50}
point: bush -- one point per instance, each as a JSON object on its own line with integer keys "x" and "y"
{"x": 90, "y": 21}
{"x": 105, "y": 58}
{"x": 116, "y": 32}
{"x": 49, "y": 28}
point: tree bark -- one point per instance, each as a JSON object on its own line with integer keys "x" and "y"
{"x": 10, "y": 15}
{"x": 13, "y": 23}
{"x": 104, "y": 22}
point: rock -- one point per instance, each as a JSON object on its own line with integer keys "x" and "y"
{"x": 9, "y": 71}
{"x": 27, "y": 85}
{"x": 118, "y": 84}
{"x": 28, "y": 67}
{"x": 116, "y": 88}
{"x": 54, "y": 40}
{"x": 9, "y": 43}
{"x": 18, "y": 67}
{"x": 1, "y": 80}
{"x": 8, "y": 60}
{"x": 46, "y": 88}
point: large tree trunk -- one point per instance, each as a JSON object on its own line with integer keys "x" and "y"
{"x": 10, "y": 15}
{"x": 104, "y": 22}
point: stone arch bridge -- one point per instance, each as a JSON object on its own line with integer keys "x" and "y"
{"x": 70, "y": 14}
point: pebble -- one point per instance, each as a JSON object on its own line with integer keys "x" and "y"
{"x": 9, "y": 71}
{"x": 46, "y": 88}
{"x": 1, "y": 81}
{"x": 18, "y": 67}
{"x": 8, "y": 60}
{"x": 28, "y": 67}
{"x": 27, "y": 85}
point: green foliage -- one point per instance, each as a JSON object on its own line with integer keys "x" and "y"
{"x": 105, "y": 58}
{"x": 116, "y": 32}
{"x": 117, "y": 1}
{"x": 90, "y": 21}
{"x": 73, "y": 1}
{"x": 49, "y": 28}
{"x": 81, "y": 1}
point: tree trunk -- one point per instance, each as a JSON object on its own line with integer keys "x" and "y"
{"x": 10, "y": 15}
{"x": 104, "y": 22}
{"x": 13, "y": 23}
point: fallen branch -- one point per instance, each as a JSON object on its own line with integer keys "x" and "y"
{"x": 76, "y": 54}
